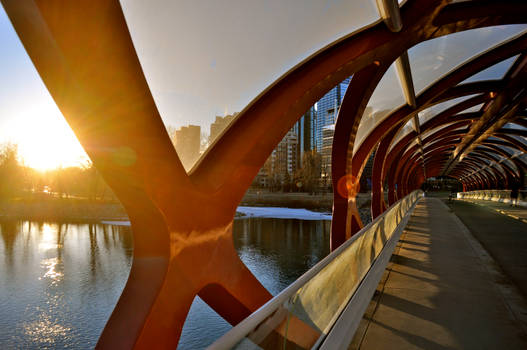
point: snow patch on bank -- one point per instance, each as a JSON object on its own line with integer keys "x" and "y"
{"x": 259, "y": 212}
{"x": 282, "y": 213}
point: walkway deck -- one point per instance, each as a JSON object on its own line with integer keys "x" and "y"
{"x": 501, "y": 234}
{"x": 516, "y": 212}
{"x": 441, "y": 291}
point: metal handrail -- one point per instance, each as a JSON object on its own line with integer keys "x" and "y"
{"x": 240, "y": 331}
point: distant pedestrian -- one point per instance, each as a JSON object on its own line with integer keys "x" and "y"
{"x": 515, "y": 189}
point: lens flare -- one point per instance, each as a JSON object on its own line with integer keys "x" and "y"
{"x": 348, "y": 186}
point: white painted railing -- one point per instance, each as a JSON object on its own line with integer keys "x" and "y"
{"x": 323, "y": 308}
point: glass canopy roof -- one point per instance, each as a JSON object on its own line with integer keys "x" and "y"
{"x": 522, "y": 139}
{"x": 208, "y": 59}
{"x": 407, "y": 128}
{"x": 427, "y": 114}
{"x": 387, "y": 96}
{"x": 513, "y": 125}
{"x": 496, "y": 71}
{"x": 518, "y": 125}
{"x": 475, "y": 108}
{"x": 432, "y": 59}
{"x": 427, "y": 133}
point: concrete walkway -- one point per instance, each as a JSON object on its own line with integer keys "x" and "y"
{"x": 441, "y": 291}
{"x": 516, "y": 212}
{"x": 505, "y": 238}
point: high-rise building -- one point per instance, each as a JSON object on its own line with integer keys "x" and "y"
{"x": 285, "y": 155}
{"x": 305, "y": 132}
{"x": 219, "y": 125}
{"x": 188, "y": 144}
{"x": 282, "y": 163}
{"x": 327, "y": 109}
{"x": 327, "y": 145}
{"x": 365, "y": 179}
{"x": 314, "y": 130}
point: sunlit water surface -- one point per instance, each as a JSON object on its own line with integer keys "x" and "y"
{"x": 60, "y": 282}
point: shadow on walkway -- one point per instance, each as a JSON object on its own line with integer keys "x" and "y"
{"x": 437, "y": 294}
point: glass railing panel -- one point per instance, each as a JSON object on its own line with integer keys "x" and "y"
{"x": 302, "y": 315}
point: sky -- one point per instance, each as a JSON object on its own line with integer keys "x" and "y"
{"x": 28, "y": 115}
{"x": 208, "y": 58}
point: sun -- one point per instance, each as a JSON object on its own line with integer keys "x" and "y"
{"x": 47, "y": 142}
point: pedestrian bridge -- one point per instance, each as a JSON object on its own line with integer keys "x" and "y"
{"x": 437, "y": 88}
{"x": 441, "y": 290}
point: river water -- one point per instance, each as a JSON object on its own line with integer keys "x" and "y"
{"x": 60, "y": 282}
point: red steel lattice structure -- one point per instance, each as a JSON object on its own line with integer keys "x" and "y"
{"x": 182, "y": 223}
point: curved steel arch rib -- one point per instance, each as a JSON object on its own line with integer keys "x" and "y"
{"x": 469, "y": 68}
{"x": 442, "y": 119}
{"x": 366, "y": 147}
{"x": 439, "y": 92}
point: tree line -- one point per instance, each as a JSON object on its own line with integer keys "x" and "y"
{"x": 307, "y": 178}
{"x": 18, "y": 181}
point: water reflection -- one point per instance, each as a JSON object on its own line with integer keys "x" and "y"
{"x": 59, "y": 282}
{"x": 277, "y": 251}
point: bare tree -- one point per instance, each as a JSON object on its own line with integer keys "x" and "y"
{"x": 311, "y": 171}
{"x": 11, "y": 172}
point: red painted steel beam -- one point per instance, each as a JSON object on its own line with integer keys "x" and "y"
{"x": 466, "y": 89}
{"x": 346, "y": 218}
{"x": 507, "y": 172}
{"x": 402, "y": 175}
{"x": 442, "y": 118}
{"x": 503, "y": 170}
{"x": 403, "y": 161}
{"x": 502, "y": 155}
{"x": 429, "y": 151}
{"x": 478, "y": 180}
{"x": 518, "y": 162}
{"x": 453, "y": 92}
{"x": 521, "y": 122}
{"x": 446, "y": 116}
{"x": 484, "y": 158}
{"x": 365, "y": 148}
{"x": 424, "y": 99}
{"x": 502, "y": 109}
{"x": 477, "y": 166}
{"x": 465, "y": 11}
{"x": 378, "y": 205}
{"x": 397, "y": 149}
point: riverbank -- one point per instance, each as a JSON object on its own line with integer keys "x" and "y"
{"x": 83, "y": 210}
{"x": 62, "y": 210}
{"x": 319, "y": 202}
{"x": 322, "y": 202}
